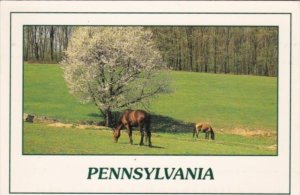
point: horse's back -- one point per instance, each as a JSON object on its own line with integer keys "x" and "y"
{"x": 141, "y": 114}
{"x": 203, "y": 126}
{"x": 135, "y": 117}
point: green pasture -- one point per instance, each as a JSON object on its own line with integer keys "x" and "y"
{"x": 228, "y": 102}
{"x": 43, "y": 139}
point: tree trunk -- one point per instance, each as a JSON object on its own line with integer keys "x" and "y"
{"x": 51, "y": 43}
{"x": 215, "y": 54}
{"x": 189, "y": 34}
{"x": 180, "y": 57}
{"x": 66, "y": 39}
{"x": 35, "y": 43}
{"x": 26, "y": 42}
{"x": 227, "y": 42}
{"x": 108, "y": 118}
{"x": 206, "y": 56}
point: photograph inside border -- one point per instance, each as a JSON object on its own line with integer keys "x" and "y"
{"x": 159, "y": 90}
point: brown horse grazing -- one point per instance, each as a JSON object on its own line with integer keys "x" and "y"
{"x": 206, "y": 128}
{"x": 134, "y": 118}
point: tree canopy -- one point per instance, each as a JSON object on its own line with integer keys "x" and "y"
{"x": 113, "y": 67}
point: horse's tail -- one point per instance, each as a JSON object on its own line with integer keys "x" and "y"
{"x": 212, "y": 134}
{"x": 148, "y": 131}
{"x": 148, "y": 126}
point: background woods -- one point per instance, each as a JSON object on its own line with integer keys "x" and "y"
{"x": 233, "y": 50}
{"x": 45, "y": 43}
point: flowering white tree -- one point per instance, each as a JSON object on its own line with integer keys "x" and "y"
{"x": 113, "y": 67}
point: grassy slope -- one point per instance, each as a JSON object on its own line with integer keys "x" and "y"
{"x": 46, "y": 94}
{"x": 42, "y": 139}
{"x": 226, "y": 101}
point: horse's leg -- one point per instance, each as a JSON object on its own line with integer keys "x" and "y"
{"x": 149, "y": 138}
{"x": 117, "y": 133}
{"x": 142, "y": 134}
{"x": 206, "y": 134}
{"x": 148, "y": 133}
{"x": 130, "y": 135}
{"x": 197, "y": 133}
{"x": 194, "y": 132}
{"x": 212, "y": 134}
{"x": 129, "y": 129}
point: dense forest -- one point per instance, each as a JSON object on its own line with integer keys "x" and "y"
{"x": 232, "y": 50}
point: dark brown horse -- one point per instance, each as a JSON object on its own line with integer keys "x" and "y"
{"x": 206, "y": 128}
{"x": 134, "y": 118}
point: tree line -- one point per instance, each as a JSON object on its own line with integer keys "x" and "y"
{"x": 45, "y": 44}
{"x": 229, "y": 50}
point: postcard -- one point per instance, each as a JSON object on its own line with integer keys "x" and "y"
{"x": 140, "y": 97}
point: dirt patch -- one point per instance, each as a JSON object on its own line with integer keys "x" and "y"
{"x": 69, "y": 125}
{"x": 272, "y": 147}
{"x": 90, "y": 127}
{"x": 58, "y": 124}
{"x": 250, "y": 133}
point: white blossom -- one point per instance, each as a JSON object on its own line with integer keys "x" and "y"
{"x": 113, "y": 67}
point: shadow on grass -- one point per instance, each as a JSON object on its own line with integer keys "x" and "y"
{"x": 100, "y": 121}
{"x": 159, "y": 123}
{"x": 145, "y": 145}
{"x": 158, "y": 147}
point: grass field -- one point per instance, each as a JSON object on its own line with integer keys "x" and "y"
{"x": 42, "y": 139}
{"x": 228, "y": 102}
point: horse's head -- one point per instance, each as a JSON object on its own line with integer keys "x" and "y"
{"x": 117, "y": 133}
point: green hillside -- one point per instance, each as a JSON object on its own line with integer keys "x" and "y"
{"x": 242, "y": 110}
